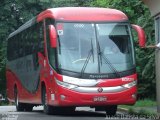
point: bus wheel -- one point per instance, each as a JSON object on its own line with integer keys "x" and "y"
{"x": 46, "y": 108}
{"x": 19, "y": 106}
{"x": 111, "y": 110}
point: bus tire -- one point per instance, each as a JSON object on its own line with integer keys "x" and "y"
{"x": 46, "y": 108}
{"x": 111, "y": 110}
{"x": 19, "y": 106}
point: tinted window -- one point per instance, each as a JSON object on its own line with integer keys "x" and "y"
{"x": 26, "y": 42}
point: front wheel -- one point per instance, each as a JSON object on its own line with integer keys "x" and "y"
{"x": 46, "y": 108}
{"x": 111, "y": 110}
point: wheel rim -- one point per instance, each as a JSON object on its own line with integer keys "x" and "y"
{"x": 16, "y": 99}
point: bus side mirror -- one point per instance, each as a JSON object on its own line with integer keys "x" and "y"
{"x": 53, "y": 36}
{"x": 141, "y": 35}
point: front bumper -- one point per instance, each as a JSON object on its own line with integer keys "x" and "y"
{"x": 66, "y": 97}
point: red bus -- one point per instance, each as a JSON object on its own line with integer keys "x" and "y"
{"x": 73, "y": 56}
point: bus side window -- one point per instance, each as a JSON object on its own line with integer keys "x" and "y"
{"x": 34, "y": 38}
{"x": 37, "y": 43}
{"x": 16, "y": 48}
{"x": 28, "y": 41}
{"x": 10, "y": 48}
{"x": 40, "y": 38}
{"x": 33, "y": 48}
{"x": 20, "y": 46}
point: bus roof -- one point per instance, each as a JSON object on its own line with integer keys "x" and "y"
{"x": 82, "y": 14}
{"x": 92, "y": 14}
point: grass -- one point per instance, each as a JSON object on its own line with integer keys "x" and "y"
{"x": 2, "y": 103}
{"x": 144, "y": 113}
{"x": 140, "y": 108}
{"x": 141, "y": 103}
{"x": 145, "y": 103}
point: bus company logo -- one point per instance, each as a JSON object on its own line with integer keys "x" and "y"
{"x": 98, "y": 76}
{"x": 100, "y": 90}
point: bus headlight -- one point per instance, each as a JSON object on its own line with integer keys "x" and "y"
{"x": 80, "y": 82}
{"x": 65, "y": 85}
{"x": 131, "y": 84}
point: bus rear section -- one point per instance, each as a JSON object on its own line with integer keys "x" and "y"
{"x": 86, "y": 61}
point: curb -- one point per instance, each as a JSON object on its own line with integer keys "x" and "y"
{"x": 136, "y": 111}
{"x": 122, "y": 109}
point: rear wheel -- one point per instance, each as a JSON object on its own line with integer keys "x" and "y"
{"x": 111, "y": 110}
{"x": 19, "y": 106}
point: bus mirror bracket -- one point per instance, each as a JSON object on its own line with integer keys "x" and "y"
{"x": 53, "y": 36}
{"x": 141, "y": 35}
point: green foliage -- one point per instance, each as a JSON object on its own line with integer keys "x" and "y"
{"x": 142, "y": 113}
{"x": 145, "y": 103}
{"x": 141, "y": 103}
{"x": 143, "y": 108}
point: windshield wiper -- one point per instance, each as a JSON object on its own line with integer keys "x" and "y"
{"x": 110, "y": 64}
{"x": 100, "y": 53}
{"x": 88, "y": 58}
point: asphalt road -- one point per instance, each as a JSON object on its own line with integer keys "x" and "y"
{"x": 81, "y": 113}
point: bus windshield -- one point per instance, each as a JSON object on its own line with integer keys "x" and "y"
{"x": 95, "y": 48}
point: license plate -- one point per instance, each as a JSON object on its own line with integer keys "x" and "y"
{"x": 99, "y": 99}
